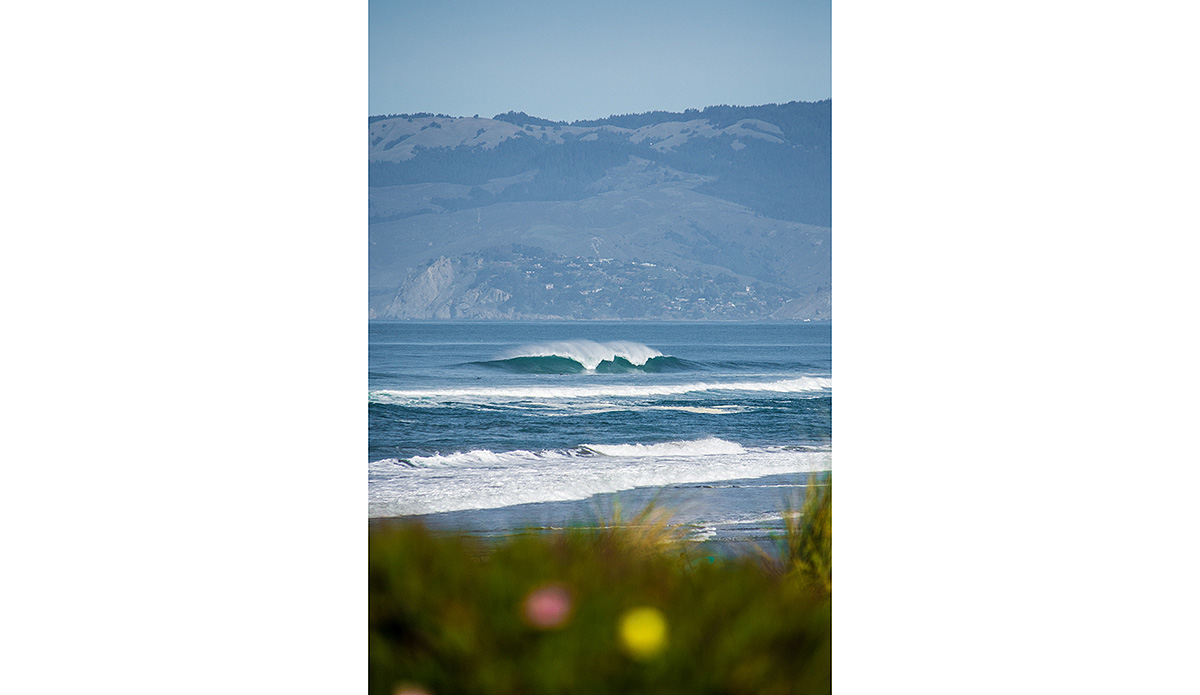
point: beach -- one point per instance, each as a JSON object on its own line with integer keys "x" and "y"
{"x": 729, "y": 518}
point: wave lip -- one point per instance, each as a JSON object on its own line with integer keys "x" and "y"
{"x": 556, "y": 364}
{"x": 587, "y": 353}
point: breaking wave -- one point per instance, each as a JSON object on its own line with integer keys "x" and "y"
{"x": 586, "y": 356}
{"x": 556, "y": 364}
{"x": 484, "y": 457}
{"x": 699, "y": 447}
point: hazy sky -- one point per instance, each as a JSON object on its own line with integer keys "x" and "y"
{"x": 568, "y": 60}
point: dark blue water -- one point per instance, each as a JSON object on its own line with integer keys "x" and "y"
{"x": 478, "y": 415}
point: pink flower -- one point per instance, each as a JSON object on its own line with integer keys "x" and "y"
{"x": 548, "y": 607}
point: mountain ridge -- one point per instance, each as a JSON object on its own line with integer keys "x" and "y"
{"x": 719, "y": 195}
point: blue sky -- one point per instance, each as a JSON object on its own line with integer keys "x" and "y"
{"x": 568, "y": 61}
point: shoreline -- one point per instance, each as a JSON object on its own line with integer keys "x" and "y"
{"x": 727, "y": 517}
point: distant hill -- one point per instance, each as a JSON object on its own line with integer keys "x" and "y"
{"x": 716, "y": 213}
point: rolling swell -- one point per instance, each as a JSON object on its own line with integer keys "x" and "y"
{"x": 557, "y": 364}
{"x": 542, "y": 364}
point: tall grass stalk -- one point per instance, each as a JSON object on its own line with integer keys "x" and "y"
{"x": 558, "y": 612}
{"x": 808, "y": 539}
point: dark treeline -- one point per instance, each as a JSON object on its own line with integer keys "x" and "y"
{"x": 804, "y": 123}
{"x": 410, "y": 116}
{"x": 522, "y": 118}
{"x": 799, "y": 117}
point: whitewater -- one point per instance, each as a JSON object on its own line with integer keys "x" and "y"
{"x": 509, "y": 393}
{"x": 481, "y": 418}
{"x": 588, "y": 353}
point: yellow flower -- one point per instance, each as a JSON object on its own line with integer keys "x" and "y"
{"x": 643, "y": 632}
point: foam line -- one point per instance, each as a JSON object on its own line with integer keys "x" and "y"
{"x": 485, "y": 479}
{"x": 510, "y": 393}
{"x": 484, "y": 457}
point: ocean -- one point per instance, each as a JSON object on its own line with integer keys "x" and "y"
{"x": 492, "y": 427}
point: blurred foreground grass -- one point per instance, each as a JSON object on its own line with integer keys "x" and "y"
{"x": 625, "y": 607}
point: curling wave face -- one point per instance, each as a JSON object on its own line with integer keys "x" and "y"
{"x": 586, "y": 356}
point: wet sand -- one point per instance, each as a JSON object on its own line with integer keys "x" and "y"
{"x": 726, "y": 518}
